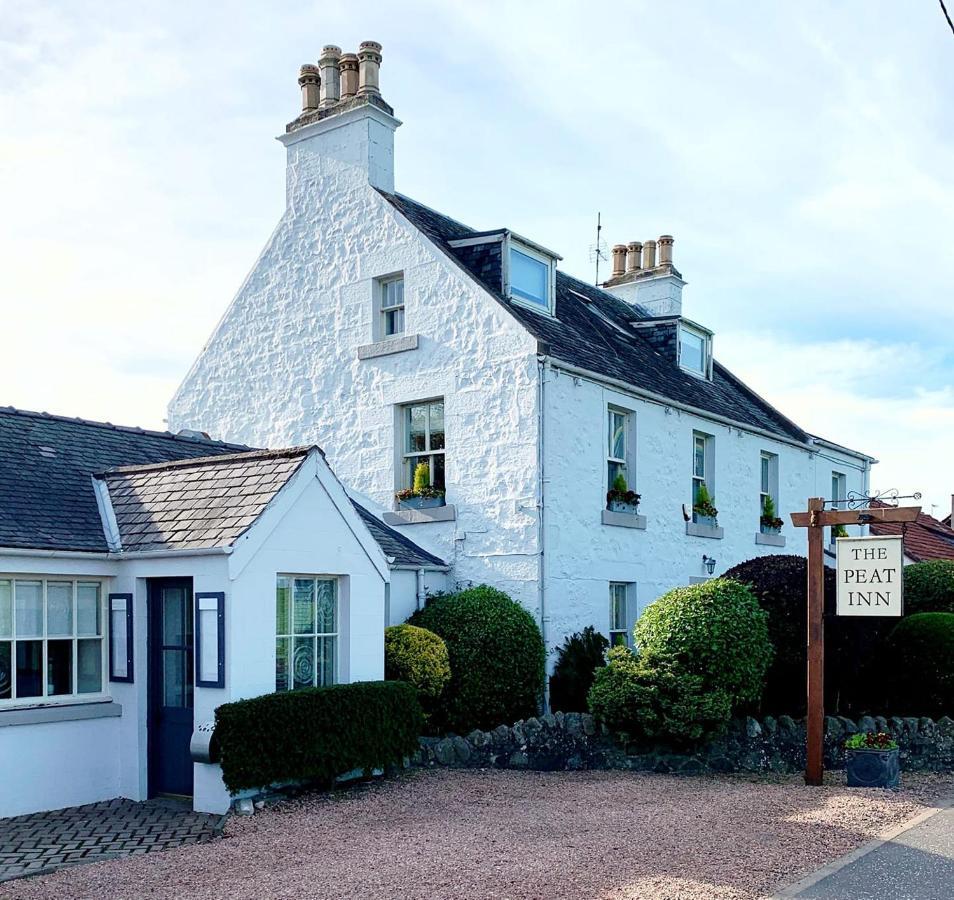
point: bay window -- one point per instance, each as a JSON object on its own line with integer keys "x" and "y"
{"x": 306, "y": 632}
{"x": 51, "y": 639}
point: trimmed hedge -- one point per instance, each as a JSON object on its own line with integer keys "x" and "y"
{"x": 715, "y": 630}
{"x": 316, "y": 733}
{"x": 929, "y": 586}
{"x": 917, "y": 665}
{"x": 417, "y": 656}
{"x": 577, "y": 661}
{"x": 496, "y": 656}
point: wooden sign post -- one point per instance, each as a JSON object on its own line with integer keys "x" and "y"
{"x": 816, "y": 520}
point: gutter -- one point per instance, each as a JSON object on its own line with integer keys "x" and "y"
{"x": 409, "y": 567}
{"x": 541, "y": 526}
{"x": 116, "y": 556}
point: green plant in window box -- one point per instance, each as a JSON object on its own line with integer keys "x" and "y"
{"x": 770, "y": 521}
{"x": 839, "y": 531}
{"x": 423, "y": 495}
{"x": 703, "y": 510}
{"x": 872, "y": 760}
{"x": 619, "y": 498}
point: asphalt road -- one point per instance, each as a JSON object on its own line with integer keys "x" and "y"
{"x": 917, "y": 865}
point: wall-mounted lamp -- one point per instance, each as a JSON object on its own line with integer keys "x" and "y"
{"x": 709, "y": 562}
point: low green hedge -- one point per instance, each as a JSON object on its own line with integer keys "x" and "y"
{"x": 316, "y": 733}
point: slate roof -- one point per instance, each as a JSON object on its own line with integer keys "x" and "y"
{"x": 580, "y": 335}
{"x": 927, "y": 538}
{"x": 395, "y": 545}
{"x": 47, "y": 500}
{"x": 197, "y": 503}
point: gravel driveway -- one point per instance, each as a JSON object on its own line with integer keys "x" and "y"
{"x": 505, "y": 834}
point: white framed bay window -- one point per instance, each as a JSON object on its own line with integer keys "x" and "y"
{"x": 52, "y": 640}
{"x": 306, "y": 631}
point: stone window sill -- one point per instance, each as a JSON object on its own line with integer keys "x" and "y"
{"x": 624, "y": 520}
{"x": 770, "y": 540}
{"x": 63, "y": 712}
{"x": 714, "y": 532}
{"x": 388, "y": 346}
{"x": 446, "y": 513}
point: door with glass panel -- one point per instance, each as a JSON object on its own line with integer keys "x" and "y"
{"x": 170, "y": 686}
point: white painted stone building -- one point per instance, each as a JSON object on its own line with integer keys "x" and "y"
{"x": 367, "y": 311}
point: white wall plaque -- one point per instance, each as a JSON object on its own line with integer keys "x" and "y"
{"x": 869, "y": 576}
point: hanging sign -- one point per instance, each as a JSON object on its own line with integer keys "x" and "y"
{"x": 869, "y": 576}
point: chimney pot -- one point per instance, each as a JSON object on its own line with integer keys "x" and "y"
{"x": 665, "y": 249}
{"x": 369, "y": 59}
{"x": 348, "y": 66}
{"x": 632, "y": 256}
{"x": 330, "y": 91}
{"x": 649, "y": 254}
{"x": 619, "y": 259}
{"x": 310, "y": 82}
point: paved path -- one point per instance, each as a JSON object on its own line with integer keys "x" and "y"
{"x": 43, "y": 842}
{"x": 917, "y": 864}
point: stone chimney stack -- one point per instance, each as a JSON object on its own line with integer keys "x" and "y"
{"x": 369, "y": 67}
{"x": 649, "y": 254}
{"x": 619, "y": 260}
{"x": 310, "y": 82}
{"x": 348, "y": 65}
{"x": 330, "y": 76}
{"x": 633, "y": 252}
{"x": 665, "y": 249}
{"x": 656, "y": 286}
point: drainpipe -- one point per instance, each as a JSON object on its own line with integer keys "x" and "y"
{"x": 421, "y": 592}
{"x": 542, "y": 367}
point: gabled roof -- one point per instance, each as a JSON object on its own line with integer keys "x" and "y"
{"x": 925, "y": 539}
{"x": 197, "y": 503}
{"x": 591, "y": 330}
{"x": 47, "y": 500}
{"x": 395, "y": 545}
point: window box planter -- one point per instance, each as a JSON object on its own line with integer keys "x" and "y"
{"x": 621, "y": 506}
{"x": 421, "y": 502}
{"x": 770, "y": 529}
{"x": 770, "y": 525}
{"x": 873, "y": 768}
{"x": 707, "y": 521}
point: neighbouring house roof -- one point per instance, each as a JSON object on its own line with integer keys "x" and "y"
{"x": 577, "y": 334}
{"x": 402, "y": 550}
{"x": 47, "y": 501}
{"x": 197, "y": 503}
{"x": 927, "y": 538}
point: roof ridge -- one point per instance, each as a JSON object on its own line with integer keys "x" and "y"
{"x": 128, "y": 429}
{"x": 196, "y": 461}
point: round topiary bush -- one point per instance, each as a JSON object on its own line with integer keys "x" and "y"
{"x": 497, "y": 657}
{"x": 417, "y": 656}
{"x": 917, "y": 665}
{"x": 929, "y": 586}
{"x": 716, "y": 631}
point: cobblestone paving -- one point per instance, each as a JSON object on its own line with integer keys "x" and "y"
{"x": 43, "y": 842}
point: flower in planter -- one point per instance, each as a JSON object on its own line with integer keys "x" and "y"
{"x": 871, "y": 740}
{"x": 422, "y": 488}
{"x": 769, "y": 518}
{"x": 620, "y": 492}
{"x": 705, "y": 503}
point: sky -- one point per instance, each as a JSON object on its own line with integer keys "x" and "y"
{"x": 802, "y": 154}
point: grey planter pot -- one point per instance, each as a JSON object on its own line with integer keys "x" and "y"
{"x": 621, "y": 507}
{"x": 421, "y": 503}
{"x": 767, "y": 529}
{"x": 873, "y": 768}
{"x": 708, "y": 521}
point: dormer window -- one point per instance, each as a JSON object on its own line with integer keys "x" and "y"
{"x": 531, "y": 276}
{"x": 695, "y": 351}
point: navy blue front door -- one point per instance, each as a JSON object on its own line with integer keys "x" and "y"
{"x": 170, "y": 686}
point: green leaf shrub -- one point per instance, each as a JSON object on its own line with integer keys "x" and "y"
{"x": 316, "y": 733}
{"x": 420, "y": 658}
{"x": 917, "y": 664}
{"x": 577, "y": 661}
{"x": 716, "y": 631}
{"x": 497, "y": 657}
{"x": 656, "y": 703}
{"x": 929, "y": 586}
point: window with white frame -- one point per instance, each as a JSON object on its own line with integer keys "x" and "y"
{"x": 391, "y": 306}
{"x": 306, "y": 632}
{"x": 619, "y": 442}
{"x": 622, "y": 596}
{"x": 839, "y": 493}
{"x": 51, "y": 639}
{"x": 703, "y": 451}
{"x": 768, "y": 480}
{"x": 424, "y": 441}
{"x": 531, "y": 276}
{"x": 695, "y": 351}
